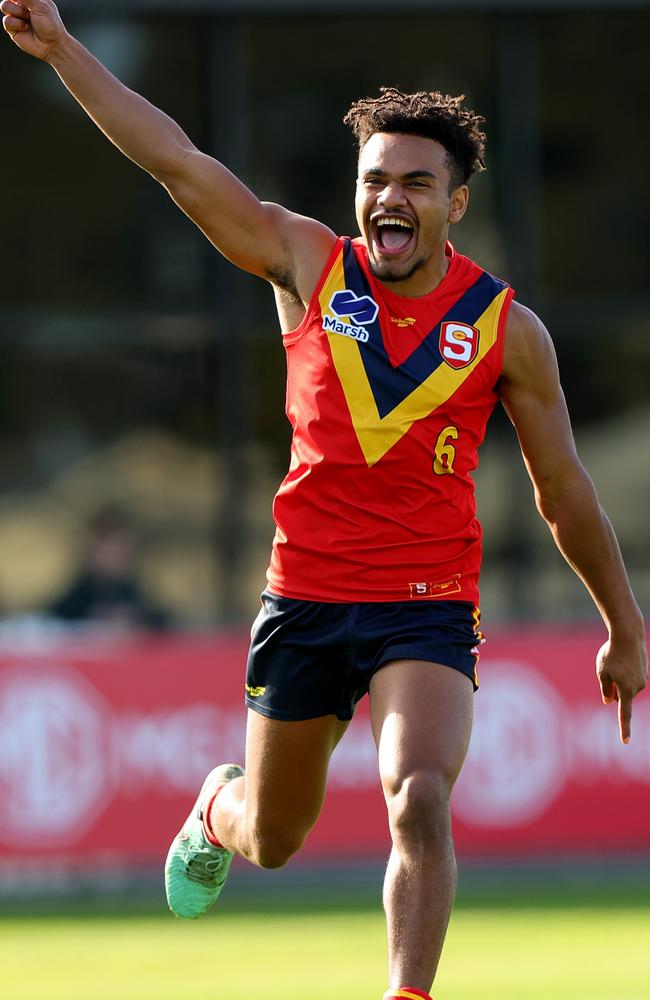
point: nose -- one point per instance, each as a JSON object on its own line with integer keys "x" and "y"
{"x": 391, "y": 195}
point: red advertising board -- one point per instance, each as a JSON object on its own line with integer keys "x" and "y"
{"x": 104, "y": 744}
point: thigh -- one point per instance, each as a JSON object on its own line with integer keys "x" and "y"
{"x": 286, "y": 768}
{"x": 421, "y": 717}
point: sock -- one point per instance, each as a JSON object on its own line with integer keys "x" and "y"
{"x": 406, "y": 993}
{"x": 205, "y": 818}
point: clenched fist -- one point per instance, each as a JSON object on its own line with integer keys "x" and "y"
{"x": 34, "y": 25}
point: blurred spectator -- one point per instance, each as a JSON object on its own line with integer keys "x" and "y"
{"x": 105, "y": 590}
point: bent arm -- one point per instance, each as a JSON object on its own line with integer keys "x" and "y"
{"x": 566, "y": 498}
{"x": 264, "y": 239}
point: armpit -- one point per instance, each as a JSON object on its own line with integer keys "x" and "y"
{"x": 285, "y": 284}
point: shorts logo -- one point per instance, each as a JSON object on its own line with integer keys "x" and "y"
{"x": 347, "y": 306}
{"x": 458, "y": 344}
{"x": 254, "y": 692}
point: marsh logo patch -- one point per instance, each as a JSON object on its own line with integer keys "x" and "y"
{"x": 352, "y": 314}
{"x": 360, "y": 309}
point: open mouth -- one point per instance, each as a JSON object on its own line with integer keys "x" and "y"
{"x": 392, "y": 234}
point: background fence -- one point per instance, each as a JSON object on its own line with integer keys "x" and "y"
{"x": 102, "y": 744}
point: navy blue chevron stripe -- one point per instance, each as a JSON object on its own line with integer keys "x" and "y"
{"x": 390, "y": 386}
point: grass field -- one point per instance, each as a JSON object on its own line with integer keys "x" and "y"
{"x": 566, "y": 945}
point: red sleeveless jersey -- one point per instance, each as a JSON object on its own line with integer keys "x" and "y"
{"x": 388, "y": 398}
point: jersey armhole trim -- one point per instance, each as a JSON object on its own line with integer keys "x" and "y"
{"x": 501, "y": 330}
{"x": 314, "y": 305}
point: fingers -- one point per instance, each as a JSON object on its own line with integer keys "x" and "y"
{"x": 16, "y": 17}
{"x": 14, "y": 10}
{"x": 612, "y": 692}
{"x": 607, "y": 687}
{"x": 625, "y": 717}
{"x": 622, "y": 673}
{"x": 13, "y": 25}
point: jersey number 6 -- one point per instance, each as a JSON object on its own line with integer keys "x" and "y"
{"x": 445, "y": 453}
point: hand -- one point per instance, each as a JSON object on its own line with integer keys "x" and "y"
{"x": 34, "y": 25}
{"x": 622, "y": 670}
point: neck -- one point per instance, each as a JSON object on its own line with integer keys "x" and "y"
{"x": 426, "y": 276}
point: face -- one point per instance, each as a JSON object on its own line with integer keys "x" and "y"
{"x": 404, "y": 209}
{"x": 111, "y": 553}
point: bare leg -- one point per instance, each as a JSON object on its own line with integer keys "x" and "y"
{"x": 421, "y": 717}
{"x": 267, "y": 815}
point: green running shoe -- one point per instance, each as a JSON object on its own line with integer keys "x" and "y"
{"x": 196, "y": 870}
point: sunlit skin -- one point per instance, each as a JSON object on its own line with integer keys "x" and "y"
{"x": 408, "y": 176}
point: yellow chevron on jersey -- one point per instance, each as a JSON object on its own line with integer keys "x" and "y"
{"x": 376, "y": 433}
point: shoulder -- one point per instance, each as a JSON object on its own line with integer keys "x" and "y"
{"x": 296, "y": 225}
{"x": 308, "y": 245}
{"x": 524, "y": 325}
{"x": 528, "y": 348}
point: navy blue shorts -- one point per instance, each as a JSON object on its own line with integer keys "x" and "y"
{"x": 309, "y": 659}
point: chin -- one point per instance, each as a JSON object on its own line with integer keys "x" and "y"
{"x": 386, "y": 270}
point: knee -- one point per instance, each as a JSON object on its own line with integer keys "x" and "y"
{"x": 418, "y": 810}
{"x": 272, "y": 845}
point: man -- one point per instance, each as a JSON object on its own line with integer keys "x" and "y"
{"x": 105, "y": 591}
{"x": 398, "y": 348}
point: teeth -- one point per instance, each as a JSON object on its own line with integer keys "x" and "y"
{"x": 388, "y": 221}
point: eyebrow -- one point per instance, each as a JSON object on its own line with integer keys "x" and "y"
{"x": 411, "y": 175}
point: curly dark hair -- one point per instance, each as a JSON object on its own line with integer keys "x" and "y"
{"x": 430, "y": 114}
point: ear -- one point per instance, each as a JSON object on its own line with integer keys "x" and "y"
{"x": 458, "y": 204}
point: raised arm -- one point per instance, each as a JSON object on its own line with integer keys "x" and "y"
{"x": 265, "y": 239}
{"x": 566, "y": 499}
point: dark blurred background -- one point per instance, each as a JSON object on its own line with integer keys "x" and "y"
{"x": 142, "y": 373}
